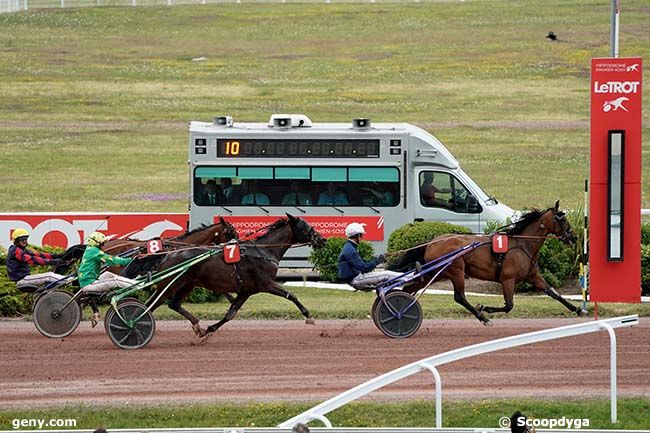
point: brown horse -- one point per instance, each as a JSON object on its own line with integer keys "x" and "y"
{"x": 255, "y": 272}
{"x": 217, "y": 233}
{"x": 518, "y": 264}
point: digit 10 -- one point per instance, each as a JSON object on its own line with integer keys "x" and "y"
{"x": 232, "y": 147}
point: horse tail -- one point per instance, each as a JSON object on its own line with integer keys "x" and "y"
{"x": 142, "y": 265}
{"x": 68, "y": 257}
{"x": 408, "y": 259}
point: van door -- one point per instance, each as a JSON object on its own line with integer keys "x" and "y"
{"x": 442, "y": 197}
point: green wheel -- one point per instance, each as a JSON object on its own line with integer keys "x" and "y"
{"x": 399, "y": 316}
{"x": 52, "y": 317}
{"x": 137, "y": 328}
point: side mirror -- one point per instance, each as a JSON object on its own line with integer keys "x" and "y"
{"x": 472, "y": 205}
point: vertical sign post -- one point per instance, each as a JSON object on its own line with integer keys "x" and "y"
{"x": 615, "y": 180}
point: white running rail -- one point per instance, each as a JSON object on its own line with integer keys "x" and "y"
{"x": 318, "y": 412}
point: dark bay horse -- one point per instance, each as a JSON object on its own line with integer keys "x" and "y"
{"x": 255, "y": 273}
{"x": 218, "y": 233}
{"x": 519, "y": 264}
{"x": 214, "y": 234}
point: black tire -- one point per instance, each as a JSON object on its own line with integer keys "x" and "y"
{"x": 393, "y": 322}
{"x": 129, "y": 298}
{"x": 134, "y": 334}
{"x": 51, "y": 319}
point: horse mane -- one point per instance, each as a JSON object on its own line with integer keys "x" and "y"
{"x": 274, "y": 226}
{"x": 196, "y": 230}
{"x": 525, "y": 220}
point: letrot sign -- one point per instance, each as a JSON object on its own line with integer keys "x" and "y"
{"x": 615, "y": 180}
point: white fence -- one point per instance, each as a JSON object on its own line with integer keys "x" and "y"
{"x": 429, "y": 364}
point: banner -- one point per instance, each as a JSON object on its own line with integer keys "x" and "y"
{"x": 327, "y": 226}
{"x": 67, "y": 229}
{"x": 615, "y": 201}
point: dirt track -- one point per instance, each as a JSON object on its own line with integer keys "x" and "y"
{"x": 288, "y": 360}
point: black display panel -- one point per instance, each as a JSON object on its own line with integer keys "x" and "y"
{"x": 296, "y": 148}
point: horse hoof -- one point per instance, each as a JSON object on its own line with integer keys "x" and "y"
{"x": 202, "y": 340}
{"x": 197, "y": 330}
{"x": 487, "y": 323}
{"x": 310, "y": 321}
{"x": 582, "y": 312}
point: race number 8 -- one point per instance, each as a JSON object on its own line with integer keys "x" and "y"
{"x": 154, "y": 246}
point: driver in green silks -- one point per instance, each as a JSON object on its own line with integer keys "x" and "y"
{"x": 90, "y": 280}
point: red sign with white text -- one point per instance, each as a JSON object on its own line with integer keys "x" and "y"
{"x": 67, "y": 229}
{"x": 327, "y": 226}
{"x": 616, "y": 99}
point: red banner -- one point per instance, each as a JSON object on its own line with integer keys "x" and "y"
{"x": 64, "y": 230}
{"x": 616, "y": 100}
{"x": 327, "y": 226}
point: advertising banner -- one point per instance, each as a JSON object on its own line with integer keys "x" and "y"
{"x": 615, "y": 180}
{"x": 327, "y": 226}
{"x": 67, "y": 229}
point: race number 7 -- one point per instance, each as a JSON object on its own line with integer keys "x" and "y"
{"x": 231, "y": 253}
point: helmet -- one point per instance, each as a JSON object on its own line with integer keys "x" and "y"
{"x": 96, "y": 239}
{"x": 354, "y": 229}
{"x": 19, "y": 233}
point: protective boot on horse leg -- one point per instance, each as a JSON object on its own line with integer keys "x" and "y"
{"x": 542, "y": 285}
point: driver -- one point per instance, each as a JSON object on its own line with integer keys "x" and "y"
{"x": 90, "y": 281}
{"x": 355, "y": 271}
{"x": 20, "y": 258}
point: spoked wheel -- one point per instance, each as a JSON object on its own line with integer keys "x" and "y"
{"x": 120, "y": 302}
{"x": 137, "y": 328}
{"x": 52, "y": 317}
{"x": 399, "y": 316}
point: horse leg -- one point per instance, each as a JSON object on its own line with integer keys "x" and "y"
{"x": 234, "y": 307}
{"x": 456, "y": 274}
{"x": 539, "y": 283}
{"x": 175, "y": 304}
{"x": 278, "y": 290}
{"x": 508, "y": 297}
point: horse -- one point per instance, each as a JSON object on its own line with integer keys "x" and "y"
{"x": 518, "y": 264}
{"x": 255, "y": 272}
{"x": 218, "y": 233}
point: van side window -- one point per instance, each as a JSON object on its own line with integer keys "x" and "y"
{"x": 443, "y": 190}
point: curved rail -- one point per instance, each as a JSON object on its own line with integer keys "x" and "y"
{"x": 318, "y": 412}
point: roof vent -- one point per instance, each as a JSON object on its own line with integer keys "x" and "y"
{"x": 224, "y": 121}
{"x": 289, "y": 121}
{"x": 361, "y": 123}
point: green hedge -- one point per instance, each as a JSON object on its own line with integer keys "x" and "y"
{"x": 12, "y": 301}
{"x": 325, "y": 259}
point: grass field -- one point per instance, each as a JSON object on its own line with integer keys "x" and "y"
{"x": 632, "y": 414}
{"x": 94, "y": 102}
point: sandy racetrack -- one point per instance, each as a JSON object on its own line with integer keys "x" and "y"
{"x": 289, "y": 360}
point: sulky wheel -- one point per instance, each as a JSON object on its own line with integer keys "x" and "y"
{"x": 136, "y": 330}
{"x": 402, "y": 319}
{"x": 128, "y": 298}
{"x": 54, "y": 315}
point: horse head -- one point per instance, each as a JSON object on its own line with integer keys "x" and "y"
{"x": 305, "y": 233}
{"x": 227, "y": 233}
{"x": 560, "y": 225}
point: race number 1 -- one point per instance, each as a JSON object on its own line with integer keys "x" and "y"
{"x": 500, "y": 244}
{"x": 154, "y": 246}
{"x": 231, "y": 253}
